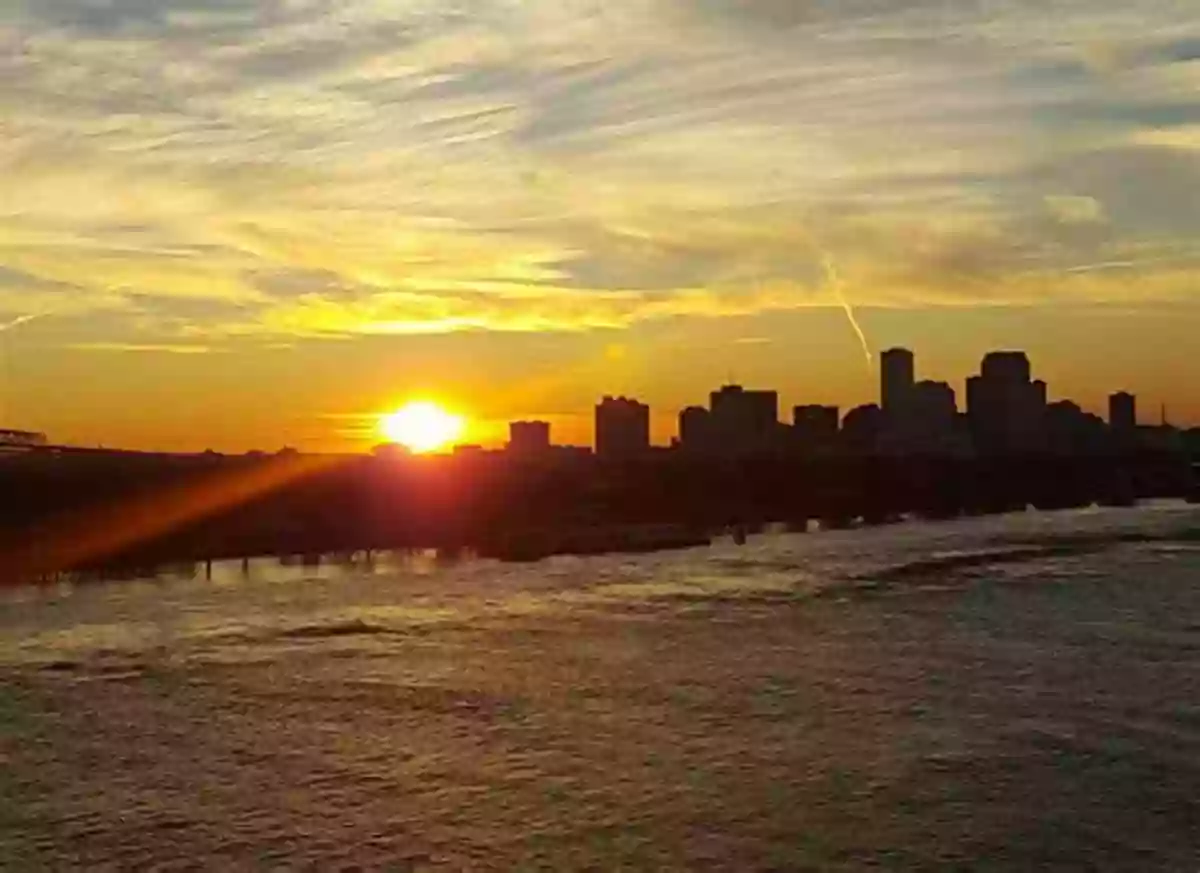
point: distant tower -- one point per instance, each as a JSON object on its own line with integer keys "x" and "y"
{"x": 897, "y": 377}
{"x": 1122, "y": 412}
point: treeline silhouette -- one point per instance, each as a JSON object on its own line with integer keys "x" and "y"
{"x": 95, "y": 510}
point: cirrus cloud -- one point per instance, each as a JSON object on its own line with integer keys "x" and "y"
{"x": 410, "y": 166}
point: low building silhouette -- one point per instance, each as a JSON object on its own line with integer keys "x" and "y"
{"x": 695, "y": 430}
{"x": 862, "y": 429}
{"x": 1070, "y": 431}
{"x": 815, "y": 429}
{"x": 529, "y": 437}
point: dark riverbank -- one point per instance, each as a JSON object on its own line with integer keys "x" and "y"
{"x": 101, "y": 510}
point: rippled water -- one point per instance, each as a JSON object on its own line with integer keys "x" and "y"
{"x": 828, "y": 700}
{"x": 184, "y": 606}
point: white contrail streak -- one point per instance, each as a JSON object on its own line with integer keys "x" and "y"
{"x": 834, "y": 280}
{"x": 18, "y": 321}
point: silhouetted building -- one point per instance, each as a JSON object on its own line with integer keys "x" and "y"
{"x": 934, "y": 404}
{"x": 862, "y": 428}
{"x": 929, "y": 425}
{"x": 695, "y": 429}
{"x": 1160, "y": 438}
{"x": 1005, "y": 407}
{"x": 1006, "y": 368}
{"x": 816, "y": 422}
{"x": 529, "y": 437}
{"x": 1191, "y": 443}
{"x": 919, "y": 418}
{"x": 744, "y": 422}
{"x": 815, "y": 429}
{"x": 622, "y": 428}
{"x": 1071, "y": 432}
{"x": 1122, "y": 413}
{"x": 897, "y": 377}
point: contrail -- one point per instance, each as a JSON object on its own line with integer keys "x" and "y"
{"x": 835, "y": 283}
{"x": 20, "y": 320}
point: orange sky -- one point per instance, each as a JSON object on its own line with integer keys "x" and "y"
{"x": 259, "y": 223}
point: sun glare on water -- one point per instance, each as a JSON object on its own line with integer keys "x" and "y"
{"x": 422, "y": 426}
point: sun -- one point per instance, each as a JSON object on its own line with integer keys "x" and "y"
{"x": 422, "y": 426}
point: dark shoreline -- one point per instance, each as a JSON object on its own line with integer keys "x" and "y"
{"x": 100, "y": 511}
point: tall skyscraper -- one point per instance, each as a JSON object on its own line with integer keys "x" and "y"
{"x": 622, "y": 428}
{"x": 897, "y": 377}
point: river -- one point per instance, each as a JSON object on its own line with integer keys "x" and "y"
{"x": 1005, "y": 692}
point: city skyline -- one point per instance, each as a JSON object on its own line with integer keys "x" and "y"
{"x": 267, "y": 222}
{"x": 900, "y": 382}
{"x": 1004, "y": 410}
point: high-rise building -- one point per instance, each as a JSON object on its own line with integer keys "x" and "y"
{"x": 529, "y": 437}
{"x": 743, "y": 422}
{"x": 622, "y": 428}
{"x": 1122, "y": 412}
{"x": 897, "y": 376}
{"x": 1006, "y": 408}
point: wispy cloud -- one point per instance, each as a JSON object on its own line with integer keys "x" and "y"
{"x": 411, "y": 166}
{"x": 160, "y": 348}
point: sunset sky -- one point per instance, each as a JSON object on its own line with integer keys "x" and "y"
{"x": 256, "y": 223}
